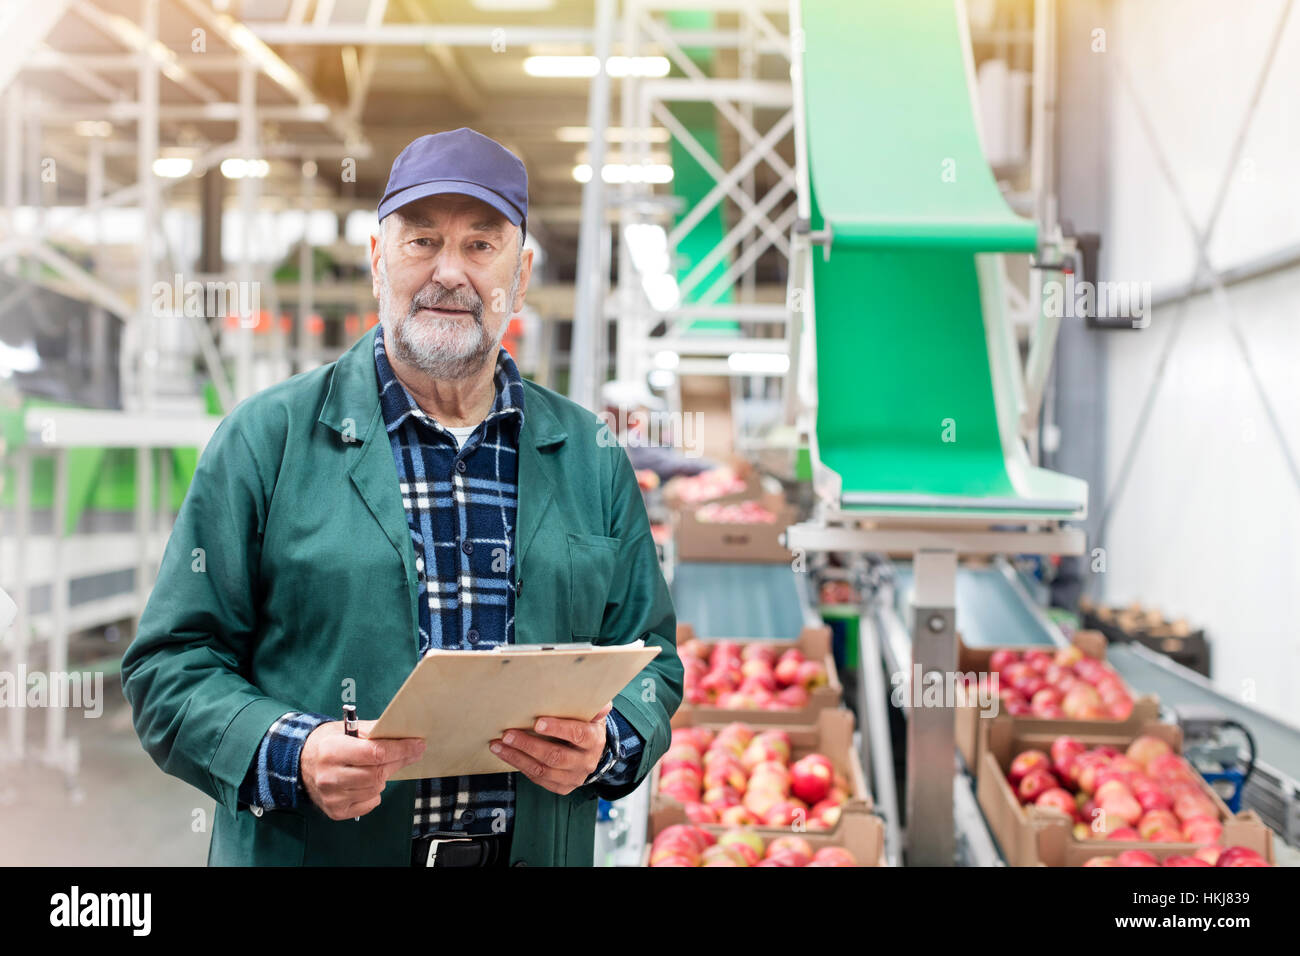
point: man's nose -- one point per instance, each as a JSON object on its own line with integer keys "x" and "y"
{"x": 449, "y": 268}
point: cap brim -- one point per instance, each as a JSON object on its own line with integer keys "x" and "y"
{"x": 439, "y": 187}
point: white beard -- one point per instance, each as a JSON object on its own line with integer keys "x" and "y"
{"x": 444, "y": 349}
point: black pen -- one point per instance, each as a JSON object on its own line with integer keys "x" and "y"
{"x": 350, "y": 726}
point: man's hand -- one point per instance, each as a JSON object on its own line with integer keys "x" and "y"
{"x": 560, "y": 755}
{"x": 345, "y": 776}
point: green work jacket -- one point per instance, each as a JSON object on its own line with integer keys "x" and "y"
{"x": 290, "y": 578}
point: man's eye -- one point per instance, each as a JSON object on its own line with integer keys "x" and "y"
{"x": 482, "y": 246}
{"x": 423, "y": 241}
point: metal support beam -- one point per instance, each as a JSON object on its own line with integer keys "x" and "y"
{"x": 931, "y": 727}
{"x": 589, "y": 306}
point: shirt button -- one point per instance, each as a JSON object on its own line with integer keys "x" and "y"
{"x": 460, "y": 465}
{"x": 467, "y": 816}
{"x": 467, "y": 547}
{"x": 472, "y": 636}
{"x": 256, "y": 811}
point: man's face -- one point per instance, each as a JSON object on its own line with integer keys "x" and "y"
{"x": 448, "y": 273}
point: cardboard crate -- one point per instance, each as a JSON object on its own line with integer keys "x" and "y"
{"x": 972, "y": 726}
{"x": 862, "y": 835}
{"x": 735, "y": 543}
{"x": 1056, "y": 847}
{"x": 815, "y": 645}
{"x": 831, "y": 735}
{"x": 1017, "y": 828}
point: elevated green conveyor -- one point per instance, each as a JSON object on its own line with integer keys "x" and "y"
{"x": 919, "y": 394}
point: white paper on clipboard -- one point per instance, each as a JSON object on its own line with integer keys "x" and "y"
{"x": 459, "y": 701}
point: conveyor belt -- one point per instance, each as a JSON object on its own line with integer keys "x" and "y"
{"x": 994, "y": 609}
{"x": 990, "y": 611}
{"x": 1278, "y": 744}
{"x": 738, "y": 600}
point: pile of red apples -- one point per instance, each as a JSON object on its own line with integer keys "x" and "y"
{"x": 1204, "y": 856}
{"x": 1065, "y": 685}
{"x": 750, "y": 676}
{"x": 742, "y": 777}
{"x": 1146, "y": 793}
{"x": 708, "y": 485}
{"x": 742, "y": 512}
{"x": 685, "y": 845}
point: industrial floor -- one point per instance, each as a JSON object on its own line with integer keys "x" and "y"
{"x": 123, "y": 810}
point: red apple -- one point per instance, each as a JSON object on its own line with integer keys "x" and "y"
{"x": 698, "y": 813}
{"x": 811, "y": 778}
{"x": 1081, "y": 702}
{"x": 834, "y": 856}
{"x": 1057, "y": 799}
{"x": 1188, "y": 805}
{"x": 827, "y": 812}
{"x": 1034, "y": 784}
{"x": 812, "y": 674}
{"x": 786, "y": 813}
{"x": 1025, "y": 762}
{"x": 1238, "y": 856}
{"x": 1202, "y": 830}
{"x": 792, "y": 697}
{"x": 1122, "y": 806}
{"x": 723, "y": 856}
{"x": 1153, "y": 799}
{"x": 738, "y": 835}
{"x": 737, "y": 816}
{"x": 1136, "y": 858}
{"x": 1068, "y": 656}
{"x": 1155, "y": 820}
{"x": 1123, "y": 833}
{"x": 1048, "y": 695}
{"x": 1147, "y": 748}
{"x": 791, "y": 844}
{"x": 1101, "y": 861}
{"x": 1210, "y": 854}
{"x": 1064, "y": 751}
{"x": 1001, "y": 658}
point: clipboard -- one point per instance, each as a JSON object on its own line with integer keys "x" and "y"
{"x": 459, "y": 701}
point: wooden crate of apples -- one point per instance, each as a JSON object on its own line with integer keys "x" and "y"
{"x": 1049, "y": 690}
{"x": 772, "y": 778}
{"x": 1134, "y": 794}
{"x": 789, "y": 681}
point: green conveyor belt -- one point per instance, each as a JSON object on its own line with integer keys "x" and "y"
{"x": 916, "y": 406}
{"x": 738, "y": 600}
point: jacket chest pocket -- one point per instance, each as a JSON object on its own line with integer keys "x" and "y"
{"x": 592, "y": 563}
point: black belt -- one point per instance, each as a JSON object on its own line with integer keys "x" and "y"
{"x": 444, "y": 850}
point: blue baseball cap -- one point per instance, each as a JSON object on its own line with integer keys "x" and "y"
{"x": 459, "y": 161}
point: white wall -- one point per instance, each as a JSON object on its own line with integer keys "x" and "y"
{"x": 1209, "y": 525}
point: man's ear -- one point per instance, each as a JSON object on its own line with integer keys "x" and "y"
{"x": 525, "y": 272}
{"x": 375, "y": 252}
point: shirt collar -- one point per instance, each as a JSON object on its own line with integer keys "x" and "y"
{"x": 398, "y": 404}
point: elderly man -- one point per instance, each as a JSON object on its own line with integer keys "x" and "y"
{"x": 415, "y": 494}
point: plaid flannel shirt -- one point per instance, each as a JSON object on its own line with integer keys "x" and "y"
{"x": 463, "y": 500}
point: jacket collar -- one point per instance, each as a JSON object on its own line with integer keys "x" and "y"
{"x": 353, "y": 400}
{"x": 352, "y": 409}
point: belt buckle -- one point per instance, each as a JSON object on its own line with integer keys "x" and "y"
{"x": 435, "y": 843}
